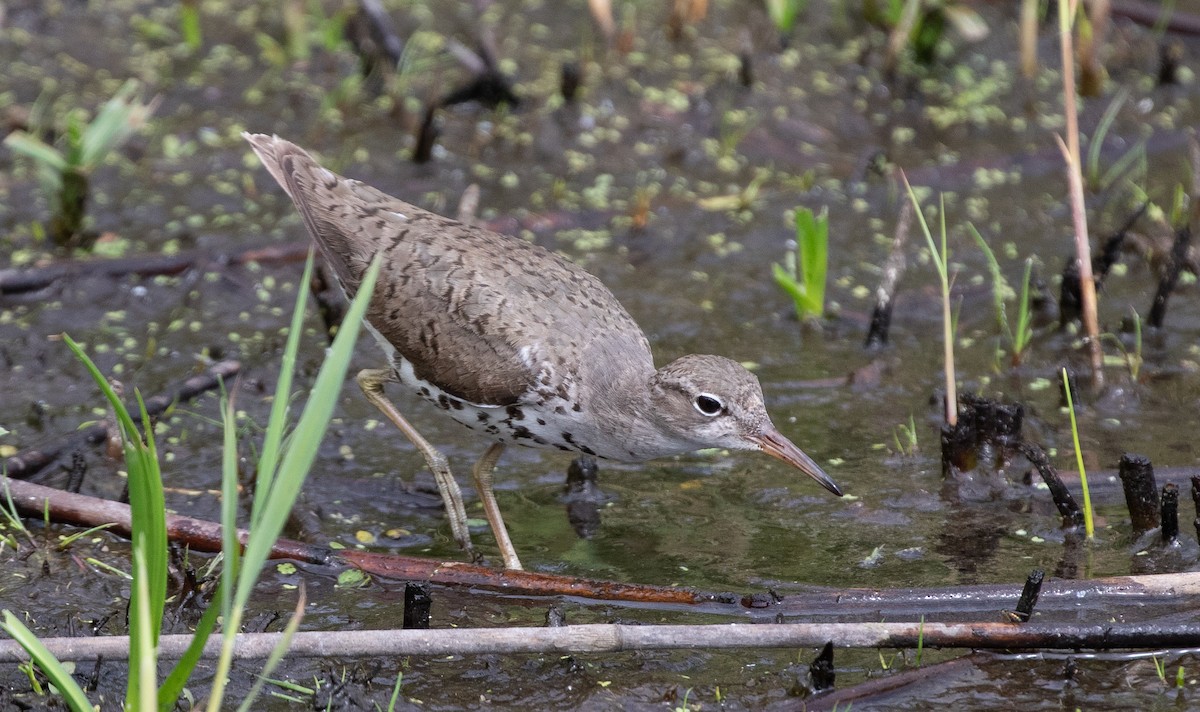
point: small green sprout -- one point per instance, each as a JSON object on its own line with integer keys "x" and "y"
{"x": 803, "y": 273}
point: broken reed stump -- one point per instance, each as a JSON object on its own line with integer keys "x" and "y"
{"x": 570, "y": 77}
{"x": 1170, "y": 514}
{"x": 1196, "y": 502}
{"x": 417, "y": 605}
{"x": 893, "y": 269}
{"x": 987, "y": 433}
{"x": 821, "y": 671}
{"x": 958, "y": 448}
{"x": 1141, "y": 492}
{"x": 1029, "y": 595}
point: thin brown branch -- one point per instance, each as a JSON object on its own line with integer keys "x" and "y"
{"x": 201, "y": 535}
{"x": 17, "y": 281}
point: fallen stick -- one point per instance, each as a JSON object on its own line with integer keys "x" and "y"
{"x": 28, "y": 462}
{"x": 613, "y": 638}
{"x": 201, "y": 535}
{"x": 17, "y": 281}
{"x": 1164, "y": 590}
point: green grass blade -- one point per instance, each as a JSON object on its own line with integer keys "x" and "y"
{"x": 998, "y": 283}
{"x": 148, "y": 528}
{"x": 1089, "y": 526}
{"x": 229, "y": 506}
{"x": 172, "y": 687}
{"x": 268, "y": 460}
{"x": 794, "y": 289}
{"x": 939, "y": 258}
{"x": 1132, "y": 161}
{"x": 149, "y": 478}
{"x": 277, "y": 653}
{"x": 124, "y": 421}
{"x": 812, "y": 240}
{"x": 1024, "y": 331}
{"x": 116, "y": 121}
{"x": 302, "y": 447}
{"x": 1102, "y": 129}
{"x": 59, "y": 676}
{"x": 37, "y": 150}
{"x": 400, "y": 681}
{"x": 143, "y": 659}
{"x": 149, "y": 533}
{"x": 189, "y": 24}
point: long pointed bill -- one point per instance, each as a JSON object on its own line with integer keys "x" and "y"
{"x": 774, "y": 444}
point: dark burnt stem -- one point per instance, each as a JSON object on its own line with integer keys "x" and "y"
{"x": 1071, "y": 514}
{"x": 1141, "y": 492}
{"x": 1170, "y": 514}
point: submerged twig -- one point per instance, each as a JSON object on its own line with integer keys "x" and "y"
{"x": 27, "y": 463}
{"x": 884, "y": 689}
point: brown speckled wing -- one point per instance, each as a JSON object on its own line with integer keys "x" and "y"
{"x": 483, "y": 316}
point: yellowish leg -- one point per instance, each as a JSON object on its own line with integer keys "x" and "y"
{"x": 483, "y": 483}
{"x": 371, "y": 382}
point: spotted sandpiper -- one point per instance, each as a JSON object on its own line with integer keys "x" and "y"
{"x": 515, "y": 343}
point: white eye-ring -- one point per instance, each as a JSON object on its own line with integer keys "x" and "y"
{"x": 708, "y": 404}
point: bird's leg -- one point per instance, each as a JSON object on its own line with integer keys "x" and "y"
{"x": 371, "y": 382}
{"x": 483, "y": 483}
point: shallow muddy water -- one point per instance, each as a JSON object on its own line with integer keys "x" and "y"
{"x": 667, "y": 126}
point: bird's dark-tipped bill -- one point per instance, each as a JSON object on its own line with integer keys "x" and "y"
{"x": 774, "y": 444}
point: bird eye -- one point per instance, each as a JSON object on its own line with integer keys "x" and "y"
{"x": 709, "y": 405}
